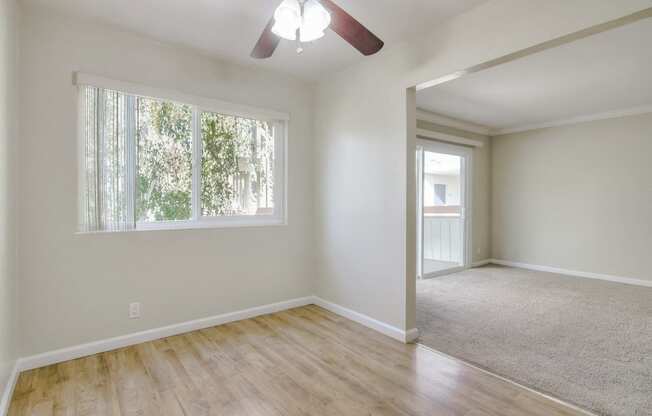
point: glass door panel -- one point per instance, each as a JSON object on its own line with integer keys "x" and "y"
{"x": 441, "y": 244}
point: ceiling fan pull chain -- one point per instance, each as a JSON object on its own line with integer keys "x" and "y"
{"x": 299, "y": 47}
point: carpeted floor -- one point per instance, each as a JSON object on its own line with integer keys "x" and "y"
{"x": 585, "y": 341}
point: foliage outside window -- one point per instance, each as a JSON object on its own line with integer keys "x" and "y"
{"x": 164, "y": 154}
{"x": 149, "y": 163}
{"x": 238, "y": 162}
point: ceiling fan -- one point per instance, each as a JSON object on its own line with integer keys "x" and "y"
{"x": 306, "y": 20}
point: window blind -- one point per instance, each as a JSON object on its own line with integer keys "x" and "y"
{"x": 107, "y": 141}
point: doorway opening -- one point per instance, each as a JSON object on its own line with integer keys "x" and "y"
{"x": 443, "y": 199}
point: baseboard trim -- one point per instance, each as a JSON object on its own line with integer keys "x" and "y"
{"x": 96, "y": 347}
{"x": 481, "y": 263}
{"x": 411, "y": 335}
{"x": 83, "y": 350}
{"x": 575, "y": 273}
{"x": 9, "y": 390}
{"x": 369, "y": 322}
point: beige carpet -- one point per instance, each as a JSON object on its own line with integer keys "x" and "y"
{"x": 585, "y": 341}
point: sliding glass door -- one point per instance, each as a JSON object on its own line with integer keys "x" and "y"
{"x": 443, "y": 226}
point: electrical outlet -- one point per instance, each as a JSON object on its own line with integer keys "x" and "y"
{"x": 134, "y": 310}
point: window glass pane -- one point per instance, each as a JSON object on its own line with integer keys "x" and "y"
{"x": 164, "y": 179}
{"x": 237, "y": 166}
{"x": 440, "y": 194}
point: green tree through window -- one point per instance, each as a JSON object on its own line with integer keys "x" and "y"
{"x": 237, "y": 165}
{"x": 164, "y": 181}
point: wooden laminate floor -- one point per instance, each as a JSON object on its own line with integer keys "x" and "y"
{"x": 304, "y": 361}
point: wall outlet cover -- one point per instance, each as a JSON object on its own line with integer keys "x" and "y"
{"x": 134, "y": 310}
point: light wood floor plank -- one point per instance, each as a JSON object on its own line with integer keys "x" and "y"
{"x": 305, "y": 361}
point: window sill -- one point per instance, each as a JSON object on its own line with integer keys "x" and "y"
{"x": 231, "y": 222}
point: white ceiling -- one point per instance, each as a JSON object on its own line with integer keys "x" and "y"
{"x": 605, "y": 73}
{"x": 229, "y": 29}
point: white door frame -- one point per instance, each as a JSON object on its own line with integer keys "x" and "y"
{"x": 466, "y": 179}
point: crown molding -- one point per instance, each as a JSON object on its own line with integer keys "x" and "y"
{"x": 449, "y": 138}
{"x": 429, "y": 116}
{"x": 574, "y": 120}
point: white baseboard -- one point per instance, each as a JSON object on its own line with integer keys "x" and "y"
{"x": 369, "y": 322}
{"x": 480, "y": 263}
{"x": 411, "y": 335}
{"x": 588, "y": 275}
{"x": 78, "y": 351}
{"x": 83, "y": 350}
{"x": 9, "y": 390}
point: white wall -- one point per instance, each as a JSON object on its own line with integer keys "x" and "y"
{"x": 576, "y": 197}
{"x": 364, "y": 131}
{"x": 8, "y": 129}
{"x": 76, "y": 288}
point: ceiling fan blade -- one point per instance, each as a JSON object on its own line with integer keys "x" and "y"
{"x": 267, "y": 43}
{"x": 351, "y": 30}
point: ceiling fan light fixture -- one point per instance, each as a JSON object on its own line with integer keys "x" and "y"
{"x": 307, "y": 35}
{"x": 304, "y": 21}
{"x": 287, "y": 19}
{"x": 315, "y": 20}
{"x": 311, "y": 23}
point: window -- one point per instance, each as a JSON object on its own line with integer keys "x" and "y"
{"x": 440, "y": 194}
{"x": 148, "y": 163}
{"x": 164, "y": 161}
{"x": 237, "y": 166}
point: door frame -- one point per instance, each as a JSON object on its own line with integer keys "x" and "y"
{"x": 466, "y": 199}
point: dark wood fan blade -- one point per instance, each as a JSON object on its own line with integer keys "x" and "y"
{"x": 267, "y": 43}
{"x": 351, "y": 30}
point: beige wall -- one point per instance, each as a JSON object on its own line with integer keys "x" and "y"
{"x": 76, "y": 288}
{"x": 364, "y": 120}
{"x": 8, "y": 128}
{"x": 576, "y": 197}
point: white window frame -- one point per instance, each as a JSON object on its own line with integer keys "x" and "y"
{"x": 279, "y": 120}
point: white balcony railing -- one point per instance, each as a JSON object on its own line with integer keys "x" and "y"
{"x": 442, "y": 237}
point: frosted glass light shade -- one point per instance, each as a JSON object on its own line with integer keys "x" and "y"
{"x": 315, "y": 20}
{"x": 287, "y": 19}
{"x": 308, "y": 36}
